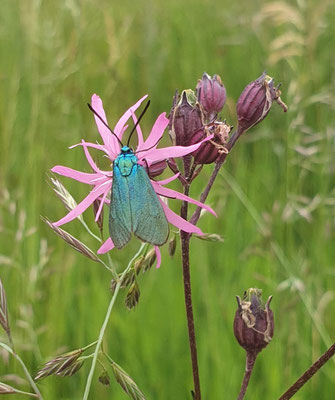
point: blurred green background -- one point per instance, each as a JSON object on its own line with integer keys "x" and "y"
{"x": 275, "y": 197}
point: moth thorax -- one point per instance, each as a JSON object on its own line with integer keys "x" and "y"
{"x": 125, "y": 165}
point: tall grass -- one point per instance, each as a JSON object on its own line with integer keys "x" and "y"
{"x": 275, "y": 198}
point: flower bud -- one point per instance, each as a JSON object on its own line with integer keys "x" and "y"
{"x": 211, "y": 93}
{"x": 185, "y": 119}
{"x": 253, "y": 323}
{"x": 208, "y": 152}
{"x": 255, "y": 102}
{"x": 157, "y": 168}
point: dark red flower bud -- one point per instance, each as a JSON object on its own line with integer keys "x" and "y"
{"x": 211, "y": 93}
{"x": 255, "y": 102}
{"x": 157, "y": 168}
{"x": 185, "y": 119}
{"x": 208, "y": 152}
{"x": 253, "y": 323}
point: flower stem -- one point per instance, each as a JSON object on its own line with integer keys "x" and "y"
{"x": 185, "y": 246}
{"x": 249, "y": 365}
{"x": 26, "y": 372}
{"x": 306, "y": 376}
{"x": 105, "y": 323}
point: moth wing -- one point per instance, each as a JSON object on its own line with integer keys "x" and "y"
{"x": 120, "y": 225}
{"x": 149, "y": 220}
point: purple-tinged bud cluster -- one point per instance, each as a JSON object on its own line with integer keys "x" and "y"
{"x": 253, "y": 323}
{"x": 195, "y": 116}
{"x": 211, "y": 94}
{"x": 255, "y": 102}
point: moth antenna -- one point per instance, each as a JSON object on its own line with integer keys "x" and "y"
{"x": 106, "y": 125}
{"x": 151, "y": 147}
{"x": 138, "y": 121}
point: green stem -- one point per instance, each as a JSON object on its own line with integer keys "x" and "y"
{"x": 26, "y": 372}
{"x": 89, "y": 346}
{"x": 89, "y": 230}
{"x": 112, "y": 270}
{"x": 104, "y": 325}
{"x": 26, "y": 393}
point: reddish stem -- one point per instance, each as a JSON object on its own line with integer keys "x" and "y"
{"x": 196, "y": 215}
{"x": 185, "y": 246}
{"x": 309, "y": 373}
{"x": 249, "y": 365}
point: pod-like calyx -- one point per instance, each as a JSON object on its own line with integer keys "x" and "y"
{"x": 210, "y": 151}
{"x": 255, "y": 102}
{"x": 253, "y": 323}
{"x": 211, "y": 93}
{"x": 185, "y": 119}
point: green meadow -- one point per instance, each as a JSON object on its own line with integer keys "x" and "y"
{"x": 275, "y": 195}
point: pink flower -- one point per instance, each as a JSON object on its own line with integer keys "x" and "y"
{"x": 146, "y": 152}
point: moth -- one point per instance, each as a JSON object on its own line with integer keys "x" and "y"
{"x": 134, "y": 205}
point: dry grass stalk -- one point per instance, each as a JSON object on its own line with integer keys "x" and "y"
{"x": 138, "y": 264}
{"x": 64, "y": 195}
{"x": 149, "y": 260}
{"x": 133, "y": 296}
{"x": 4, "y": 322}
{"x": 72, "y": 241}
{"x": 72, "y": 369}
{"x": 64, "y": 365}
{"x": 172, "y": 245}
{"x": 104, "y": 378}
{"x": 210, "y": 237}
{"x": 6, "y": 389}
{"x": 126, "y": 382}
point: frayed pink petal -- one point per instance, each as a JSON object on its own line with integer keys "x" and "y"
{"x": 176, "y": 195}
{"x": 84, "y": 177}
{"x": 106, "y": 246}
{"x": 84, "y": 204}
{"x": 111, "y": 155}
{"x": 158, "y": 257}
{"x": 89, "y": 157}
{"x": 108, "y": 138}
{"x": 119, "y": 126}
{"x": 92, "y": 163}
{"x": 156, "y": 133}
{"x": 172, "y": 151}
{"x": 178, "y": 221}
{"x": 168, "y": 180}
{"x": 102, "y": 201}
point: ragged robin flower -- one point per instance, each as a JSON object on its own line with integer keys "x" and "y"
{"x": 147, "y": 153}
